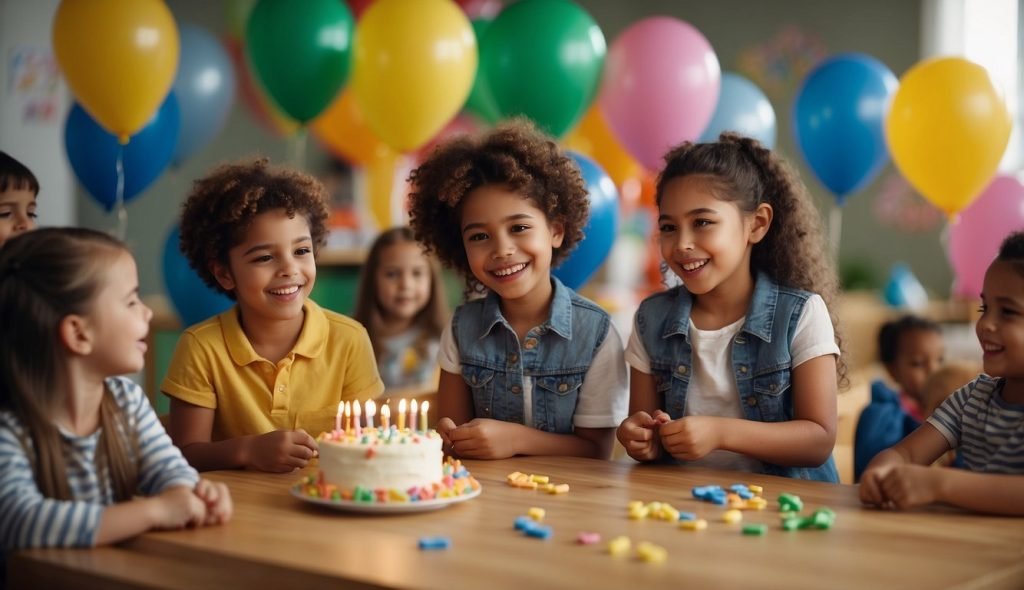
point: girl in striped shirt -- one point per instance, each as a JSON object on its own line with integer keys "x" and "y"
{"x": 83, "y": 459}
{"x": 984, "y": 419}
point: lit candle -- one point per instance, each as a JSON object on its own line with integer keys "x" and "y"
{"x": 412, "y": 417}
{"x": 371, "y": 411}
{"x": 401, "y": 415}
{"x": 385, "y": 416}
{"x": 357, "y": 417}
{"x": 348, "y": 417}
{"x": 423, "y": 414}
{"x": 337, "y": 418}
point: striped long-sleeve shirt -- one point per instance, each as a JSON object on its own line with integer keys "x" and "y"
{"x": 988, "y": 431}
{"x": 28, "y": 519}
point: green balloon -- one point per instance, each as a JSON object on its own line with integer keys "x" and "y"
{"x": 300, "y": 52}
{"x": 543, "y": 59}
{"x": 479, "y": 102}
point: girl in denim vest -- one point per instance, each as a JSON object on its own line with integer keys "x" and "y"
{"x": 737, "y": 368}
{"x": 531, "y": 367}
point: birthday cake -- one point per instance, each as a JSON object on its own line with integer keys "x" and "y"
{"x": 386, "y": 465}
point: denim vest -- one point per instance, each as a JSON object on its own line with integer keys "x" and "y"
{"x": 556, "y": 354}
{"x": 761, "y": 358}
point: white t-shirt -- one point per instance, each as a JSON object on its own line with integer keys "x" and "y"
{"x": 713, "y": 390}
{"x": 603, "y": 400}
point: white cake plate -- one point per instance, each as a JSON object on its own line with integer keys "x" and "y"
{"x": 383, "y": 507}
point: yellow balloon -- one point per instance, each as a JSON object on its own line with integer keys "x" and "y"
{"x": 947, "y": 129}
{"x": 592, "y": 137}
{"x": 119, "y": 58}
{"x": 415, "y": 61}
{"x": 385, "y": 187}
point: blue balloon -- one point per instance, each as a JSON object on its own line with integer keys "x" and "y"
{"x": 838, "y": 120}
{"x": 903, "y": 290}
{"x": 204, "y": 87}
{"x": 93, "y": 152}
{"x": 742, "y": 108}
{"x": 601, "y": 228}
{"x": 192, "y": 298}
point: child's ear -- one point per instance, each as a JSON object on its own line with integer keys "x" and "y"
{"x": 557, "y": 234}
{"x": 223, "y": 275}
{"x": 75, "y": 334}
{"x": 761, "y": 221}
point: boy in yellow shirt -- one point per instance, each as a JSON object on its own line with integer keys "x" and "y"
{"x": 249, "y": 386}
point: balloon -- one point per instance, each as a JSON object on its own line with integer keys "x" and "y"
{"x": 903, "y": 290}
{"x": 660, "y": 87}
{"x": 236, "y": 14}
{"x": 385, "y": 188}
{"x": 460, "y": 125}
{"x": 257, "y": 104}
{"x": 480, "y": 103}
{"x": 947, "y": 130}
{"x": 358, "y": 7}
{"x": 192, "y": 298}
{"x": 551, "y": 74}
{"x": 837, "y": 120}
{"x": 205, "y": 89}
{"x": 119, "y": 58}
{"x": 414, "y": 66}
{"x": 593, "y": 138}
{"x": 93, "y": 153}
{"x": 742, "y": 108}
{"x": 601, "y": 228}
{"x": 343, "y": 130}
{"x": 480, "y": 9}
{"x": 300, "y": 53}
{"x": 975, "y": 236}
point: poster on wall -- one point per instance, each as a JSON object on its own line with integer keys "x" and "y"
{"x": 33, "y": 84}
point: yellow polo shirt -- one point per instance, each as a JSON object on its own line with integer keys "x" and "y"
{"x": 215, "y": 366}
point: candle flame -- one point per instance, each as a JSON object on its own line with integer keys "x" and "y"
{"x": 385, "y": 411}
{"x": 401, "y": 406}
{"x": 423, "y": 408}
{"x": 371, "y": 408}
{"x": 357, "y": 409}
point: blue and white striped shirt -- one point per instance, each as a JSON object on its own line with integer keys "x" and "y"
{"x": 988, "y": 431}
{"x": 28, "y": 519}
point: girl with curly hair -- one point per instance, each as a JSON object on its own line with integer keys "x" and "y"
{"x": 531, "y": 368}
{"x": 736, "y": 368}
{"x": 252, "y": 386}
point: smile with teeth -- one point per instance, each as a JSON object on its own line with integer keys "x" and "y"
{"x": 692, "y": 266}
{"x": 989, "y": 347}
{"x": 285, "y": 290}
{"x": 509, "y": 270}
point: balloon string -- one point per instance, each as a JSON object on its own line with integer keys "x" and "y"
{"x": 835, "y": 229}
{"x": 297, "y": 148}
{"x": 122, "y": 212}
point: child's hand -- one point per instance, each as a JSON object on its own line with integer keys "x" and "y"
{"x": 906, "y": 486}
{"x": 217, "y": 499}
{"x": 176, "y": 508}
{"x": 443, "y": 427}
{"x": 637, "y": 435}
{"x": 690, "y": 437}
{"x": 871, "y": 492}
{"x": 483, "y": 438}
{"x": 281, "y": 451}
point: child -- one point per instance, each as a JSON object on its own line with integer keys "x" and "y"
{"x": 983, "y": 419}
{"x": 940, "y": 385}
{"x": 401, "y": 302}
{"x": 737, "y": 368}
{"x": 249, "y": 386}
{"x": 911, "y": 348}
{"x": 83, "y": 458}
{"x": 532, "y": 368}
{"x": 18, "y": 191}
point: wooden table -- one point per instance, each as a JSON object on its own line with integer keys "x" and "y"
{"x": 276, "y": 541}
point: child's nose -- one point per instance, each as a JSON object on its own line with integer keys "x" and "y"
{"x": 503, "y": 248}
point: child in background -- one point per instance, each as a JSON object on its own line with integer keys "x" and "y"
{"x": 532, "y": 368}
{"x": 83, "y": 459}
{"x": 984, "y": 419}
{"x": 18, "y": 191}
{"x": 939, "y": 386}
{"x": 911, "y": 349}
{"x": 401, "y": 303}
{"x": 249, "y": 386}
{"x": 737, "y": 368}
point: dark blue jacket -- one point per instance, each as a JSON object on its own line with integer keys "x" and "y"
{"x": 882, "y": 424}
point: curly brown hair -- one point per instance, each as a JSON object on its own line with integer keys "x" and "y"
{"x": 222, "y": 205}
{"x": 514, "y": 154}
{"x": 793, "y": 253}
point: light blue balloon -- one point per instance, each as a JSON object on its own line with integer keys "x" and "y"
{"x": 601, "y": 228}
{"x": 903, "y": 290}
{"x": 205, "y": 88}
{"x": 838, "y": 120}
{"x": 192, "y": 298}
{"x": 742, "y": 108}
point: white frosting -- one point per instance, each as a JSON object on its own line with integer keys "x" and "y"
{"x": 378, "y": 465}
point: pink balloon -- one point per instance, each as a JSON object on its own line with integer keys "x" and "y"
{"x": 660, "y": 87}
{"x": 975, "y": 236}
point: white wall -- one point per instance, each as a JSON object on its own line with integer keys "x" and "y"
{"x": 37, "y": 143}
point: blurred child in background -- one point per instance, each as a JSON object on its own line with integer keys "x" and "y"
{"x": 18, "y": 191}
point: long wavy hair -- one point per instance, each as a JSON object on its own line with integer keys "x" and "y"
{"x": 45, "y": 276}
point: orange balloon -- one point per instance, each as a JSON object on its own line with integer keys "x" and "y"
{"x": 385, "y": 188}
{"x": 592, "y": 137}
{"x": 343, "y": 130}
